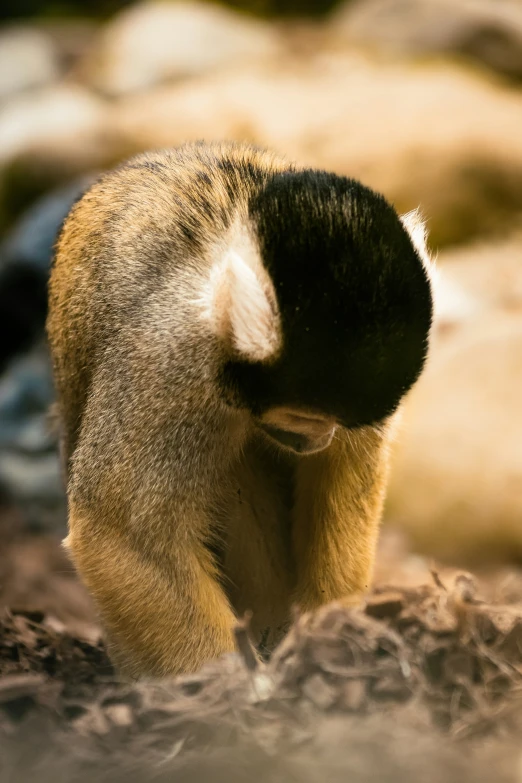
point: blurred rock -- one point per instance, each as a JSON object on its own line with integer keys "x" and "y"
{"x": 456, "y": 483}
{"x": 476, "y": 281}
{"x": 63, "y": 115}
{"x": 409, "y": 131}
{"x": 29, "y": 465}
{"x": 155, "y": 42}
{"x": 49, "y": 137}
{"x": 72, "y": 37}
{"x": 28, "y": 59}
{"x": 486, "y": 31}
{"x": 454, "y": 306}
{"x": 491, "y": 273}
{"x": 25, "y": 259}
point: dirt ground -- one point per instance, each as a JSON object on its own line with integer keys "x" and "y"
{"x": 420, "y": 685}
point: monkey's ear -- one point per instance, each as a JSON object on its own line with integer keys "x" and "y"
{"x": 241, "y": 307}
{"x": 415, "y": 225}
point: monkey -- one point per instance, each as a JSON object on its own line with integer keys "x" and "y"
{"x": 231, "y": 336}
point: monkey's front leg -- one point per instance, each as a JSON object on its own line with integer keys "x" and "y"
{"x": 161, "y": 604}
{"x": 338, "y": 506}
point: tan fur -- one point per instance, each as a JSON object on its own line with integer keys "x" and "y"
{"x": 339, "y": 500}
{"x": 158, "y": 466}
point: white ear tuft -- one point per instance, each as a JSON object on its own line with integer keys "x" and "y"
{"x": 240, "y": 305}
{"x": 253, "y": 315}
{"x": 416, "y": 227}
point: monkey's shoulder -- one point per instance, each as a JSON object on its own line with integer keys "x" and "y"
{"x": 176, "y": 199}
{"x": 185, "y": 176}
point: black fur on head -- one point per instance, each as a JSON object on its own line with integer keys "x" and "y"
{"x": 354, "y": 298}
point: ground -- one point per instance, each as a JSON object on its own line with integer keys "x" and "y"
{"x": 420, "y": 682}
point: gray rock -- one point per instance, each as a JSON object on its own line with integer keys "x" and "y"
{"x": 31, "y": 240}
{"x": 29, "y": 464}
{"x": 25, "y": 260}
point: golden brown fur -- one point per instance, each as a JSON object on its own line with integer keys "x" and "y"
{"x": 162, "y": 473}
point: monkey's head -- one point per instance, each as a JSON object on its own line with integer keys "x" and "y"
{"x": 323, "y": 304}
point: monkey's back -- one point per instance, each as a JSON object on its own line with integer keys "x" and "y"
{"x": 133, "y": 251}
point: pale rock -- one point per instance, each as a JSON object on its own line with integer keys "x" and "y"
{"x": 488, "y": 32}
{"x": 60, "y": 117}
{"x": 489, "y": 272}
{"x": 154, "y": 42}
{"x": 454, "y": 304}
{"x": 456, "y": 479}
{"x": 477, "y": 280}
{"x": 28, "y": 59}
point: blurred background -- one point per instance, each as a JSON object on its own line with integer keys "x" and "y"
{"x": 420, "y": 99}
